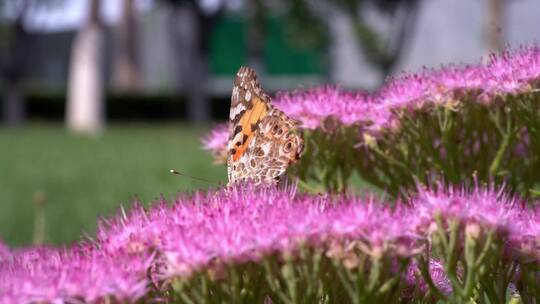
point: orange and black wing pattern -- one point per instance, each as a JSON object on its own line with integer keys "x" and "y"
{"x": 263, "y": 141}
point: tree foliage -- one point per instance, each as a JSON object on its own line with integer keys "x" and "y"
{"x": 381, "y": 45}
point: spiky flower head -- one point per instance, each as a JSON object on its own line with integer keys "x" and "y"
{"x": 509, "y": 73}
{"x": 142, "y": 247}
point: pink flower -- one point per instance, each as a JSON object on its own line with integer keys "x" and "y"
{"x": 217, "y": 137}
{"x": 414, "y": 279}
{"x": 312, "y": 107}
{"x": 509, "y": 73}
{"x": 136, "y": 249}
{"x": 490, "y": 208}
{"x": 44, "y": 274}
{"x": 216, "y": 141}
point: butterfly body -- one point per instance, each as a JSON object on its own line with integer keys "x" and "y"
{"x": 263, "y": 140}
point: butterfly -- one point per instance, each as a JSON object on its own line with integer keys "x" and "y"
{"x": 263, "y": 141}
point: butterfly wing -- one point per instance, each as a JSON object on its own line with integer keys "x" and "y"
{"x": 263, "y": 141}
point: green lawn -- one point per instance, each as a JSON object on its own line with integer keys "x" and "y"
{"x": 83, "y": 178}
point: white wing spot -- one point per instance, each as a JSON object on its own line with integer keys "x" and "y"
{"x": 236, "y": 110}
{"x": 235, "y": 92}
{"x": 248, "y": 96}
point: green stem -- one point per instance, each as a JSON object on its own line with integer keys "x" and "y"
{"x": 179, "y": 289}
{"x": 374, "y": 275}
{"x": 235, "y": 281}
{"x": 452, "y": 256}
{"x": 389, "y": 159}
{"x": 273, "y": 282}
{"x": 470, "y": 261}
{"x": 496, "y": 163}
{"x": 317, "y": 277}
{"x": 290, "y": 279}
{"x": 346, "y": 282}
{"x": 508, "y": 136}
{"x": 205, "y": 290}
{"x": 307, "y": 187}
{"x": 389, "y": 284}
{"x": 485, "y": 249}
{"x": 441, "y": 232}
{"x": 305, "y": 273}
{"x": 446, "y": 127}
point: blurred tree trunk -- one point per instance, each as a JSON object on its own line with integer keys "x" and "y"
{"x": 495, "y": 24}
{"x": 14, "y": 105}
{"x": 190, "y": 28}
{"x": 255, "y": 35}
{"x": 126, "y": 69}
{"x": 381, "y": 28}
{"x": 85, "y": 108}
{"x": 13, "y": 68}
{"x": 384, "y": 50}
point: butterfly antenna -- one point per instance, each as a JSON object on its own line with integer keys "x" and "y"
{"x": 192, "y": 177}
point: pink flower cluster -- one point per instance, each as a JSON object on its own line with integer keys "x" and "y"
{"x": 414, "y": 280}
{"x": 76, "y": 274}
{"x": 216, "y": 142}
{"x": 312, "y": 107}
{"x": 134, "y": 250}
{"x": 511, "y": 72}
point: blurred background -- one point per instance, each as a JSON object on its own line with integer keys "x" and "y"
{"x": 99, "y": 99}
